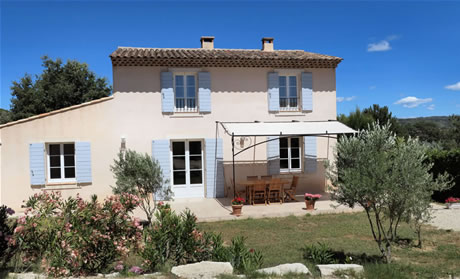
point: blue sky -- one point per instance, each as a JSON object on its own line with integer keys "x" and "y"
{"x": 405, "y": 55}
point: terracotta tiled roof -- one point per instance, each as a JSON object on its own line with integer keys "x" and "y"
{"x": 197, "y": 57}
{"x": 103, "y": 99}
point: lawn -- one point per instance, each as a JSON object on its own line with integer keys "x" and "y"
{"x": 281, "y": 239}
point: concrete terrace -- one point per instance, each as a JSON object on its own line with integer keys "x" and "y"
{"x": 211, "y": 210}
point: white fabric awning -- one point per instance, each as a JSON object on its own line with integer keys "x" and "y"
{"x": 313, "y": 128}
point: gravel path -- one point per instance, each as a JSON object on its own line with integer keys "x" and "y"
{"x": 447, "y": 219}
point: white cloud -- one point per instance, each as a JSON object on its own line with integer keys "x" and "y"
{"x": 383, "y": 45}
{"x": 455, "y": 87}
{"x": 412, "y": 102}
{"x": 430, "y": 107}
{"x": 346, "y": 99}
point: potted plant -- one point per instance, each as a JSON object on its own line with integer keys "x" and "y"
{"x": 237, "y": 205}
{"x": 452, "y": 202}
{"x": 310, "y": 200}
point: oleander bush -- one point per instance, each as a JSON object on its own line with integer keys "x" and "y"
{"x": 76, "y": 237}
{"x": 6, "y": 231}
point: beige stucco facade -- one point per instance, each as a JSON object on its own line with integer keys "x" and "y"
{"x": 134, "y": 113}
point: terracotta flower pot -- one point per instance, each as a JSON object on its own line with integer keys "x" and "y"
{"x": 310, "y": 204}
{"x": 237, "y": 209}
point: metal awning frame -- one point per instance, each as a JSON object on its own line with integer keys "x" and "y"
{"x": 280, "y": 135}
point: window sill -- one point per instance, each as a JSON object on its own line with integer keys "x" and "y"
{"x": 289, "y": 113}
{"x": 290, "y": 171}
{"x": 186, "y": 115}
{"x": 61, "y": 185}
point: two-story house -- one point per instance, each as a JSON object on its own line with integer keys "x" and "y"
{"x": 192, "y": 109}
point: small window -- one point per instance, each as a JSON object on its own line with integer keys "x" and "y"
{"x": 61, "y": 162}
{"x": 290, "y": 150}
{"x": 185, "y": 93}
{"x": 289, "y": 100}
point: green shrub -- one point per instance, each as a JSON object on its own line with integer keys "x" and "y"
{"x": 76, "y": 237}
{"x": 174, "y": 239}
{"x": 319, "y": 253}
{"x": 446, "y": 161}
{"x": 6, "y": 232}
{"x": 241, "y": 257}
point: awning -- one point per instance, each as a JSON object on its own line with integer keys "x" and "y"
{"x": 304, "y": 128}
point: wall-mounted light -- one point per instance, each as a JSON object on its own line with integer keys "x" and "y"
{"x": 123, "y": 144}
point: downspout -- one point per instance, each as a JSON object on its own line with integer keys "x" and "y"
{"x": 233, "y": 163}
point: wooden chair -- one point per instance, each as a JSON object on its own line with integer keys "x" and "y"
{"x": 275, "y": 191}
{"x": 290, "y": 192}
{"x": 252, "y": 177}
{"x": 259, "y": 192}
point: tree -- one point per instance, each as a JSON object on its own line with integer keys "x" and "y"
{"x": 5, "y": 116}
{"x": 388, "y": 177}
{"x": 356, "y": 119}
{"x": 58, "y": 86}
{"x": 140, "y": 175}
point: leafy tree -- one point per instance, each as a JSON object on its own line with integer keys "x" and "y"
{"x": 388, "y": 177}
{"x": 356, "y": 119}
{"x": 5, "y": 116}
{"x": 140, "y": 175}
{"x": 58, "y": 86}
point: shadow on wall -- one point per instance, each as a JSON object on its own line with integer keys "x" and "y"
{"x": 308, "y": 182}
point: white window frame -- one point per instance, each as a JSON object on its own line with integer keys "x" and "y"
{"x": 288, "y": 107}
{"x": 187, "y": 163}
{"x": 290, "y": 169}
{"x": 62, "y": 166}
{"x": 186, "y": 109}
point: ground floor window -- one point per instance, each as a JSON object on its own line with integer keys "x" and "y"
{"x": 187, "y": 158}
{"x": 290, "y": 150}
{"x": 61, "y": 162}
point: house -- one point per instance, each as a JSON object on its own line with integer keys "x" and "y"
{"x": 192, "y": 109}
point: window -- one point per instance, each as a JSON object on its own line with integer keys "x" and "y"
{"x": 288, "y": 93}
{"x": 290, "y": 151}
{"x": 61, "y": 162}
{"x": 187, "y": 162}
{"x": 185, "y": 93}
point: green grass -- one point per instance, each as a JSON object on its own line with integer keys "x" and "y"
{"x": 281, "y": 239}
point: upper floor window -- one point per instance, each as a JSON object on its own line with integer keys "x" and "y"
{"x": 61, "y": 162}
{"x": 289, "y": 97}
{"x": 290, "y": 151}
{"x": 185, "y": 93}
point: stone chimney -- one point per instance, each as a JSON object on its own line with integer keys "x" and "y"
{"x": 207, "y": 42}
{"x": 267, "y": 44}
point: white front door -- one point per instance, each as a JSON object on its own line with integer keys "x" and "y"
{"x": 187, "y": 168}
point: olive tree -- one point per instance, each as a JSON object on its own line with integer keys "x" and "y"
{"x": 141, "y": 175}
{"x": 386, "y": 176}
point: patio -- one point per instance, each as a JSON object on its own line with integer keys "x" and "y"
{"x": 211, "y": 210}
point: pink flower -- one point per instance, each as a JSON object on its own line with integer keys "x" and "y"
{"x": 136, "y": 269}
{"x": 19, "y": 229}
{"x": 119, "y": 267}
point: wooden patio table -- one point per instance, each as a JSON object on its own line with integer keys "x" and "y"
{"x": 249, "y": 184}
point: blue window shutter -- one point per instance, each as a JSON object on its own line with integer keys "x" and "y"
{"x": 215, "y": 183}
{"x": 204, "y": 91}
{"x": 167, "y": 92}
{"x": 83, "y": 162}
{"x": 273, "y": 155}
{"x": 37, "y": 163}
{"x": 310, "y": 154}
{"x": 273, "y": 92}
{"x": 161, "y": 153}
{"x": 307, "y": 91}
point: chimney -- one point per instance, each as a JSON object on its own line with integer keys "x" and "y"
{"x": 207, "y": 42}
{"x": 267, "y": 44}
